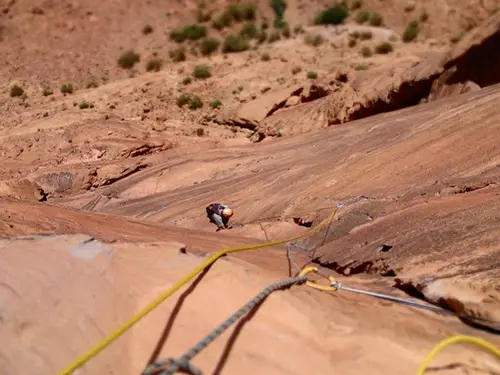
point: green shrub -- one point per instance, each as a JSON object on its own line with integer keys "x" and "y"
{"x": 192, "y": 32}
{"x": 384, "y": 48}
{"x": 183, "y": 100}
{"x": 209, "y": 46}
{"x": 376, "y": 19}
{"x": 83, "y": 105}
{"x": 366, "y": 51}
{"x": 147, "y": 29}
{"x": 249, "y": 30}
{"x": 178, "y": 54}
{"x": 280, "y": 23}
{"x": 312, "y": 75}
{"x": 16, "y": 91}
{"x": 128, "y": 59}
{"x": 279, "y": 7}
{"x": 234, "y": 43}
{"x": 67, "y": 89}
{"x": 195, "y": 102}
{"x": 224, "y": 20}
{"x": 361, "y": 67}
{"x": 202, "y": 72}
{"x": 365, "y": 35}
{"x": 249, "y": 12}
{"x": 362, "y": 16}
{"x": 154, "y": 65}
{"x": 215, "y": 103}
{"x": 332, "y": 16}
{"x": 411, "y": 32}
{"x": 203, "y": 16}
{"x": 236, "y": 12}
{"x": 187, "y": 81}
{"x": 265, "y": 57}
{"x": 314, "y": 40}
{"x": 92, "y": 84}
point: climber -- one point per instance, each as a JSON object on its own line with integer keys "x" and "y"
{"x": 219, "y": 214}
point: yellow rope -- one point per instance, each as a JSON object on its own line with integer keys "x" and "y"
{"x": 155, "y": 303}
{"x": 483, "y": 344}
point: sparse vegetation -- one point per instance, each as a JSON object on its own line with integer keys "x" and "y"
{"x": 224, "y": 20}
{"x": 384, "y": 48}
{"x": 334, "y": 15}
{"x": 285, "y": 32}
{"x": 265, "y": 57}
{"x": 296, "y": 70}
{"x": 178, "y": 54}
{"x": 200, "y": 132}
{"x": 67, "y": 89}
{"x": 192, "y": 101}
{"x": 409, "y": 8}
{"x": 376, "y": 19}
{"x": 262, "y": 37}
{"x": 235, "y": 43}
{"x": 16, "y": 91}
{"x": 202, "y": 72}
{"x": 154, "y": 65}
{"x": 411, "y": 32}
{"x": 128, "y": 59}
{"x": 366, "y": 35}
{"x": 356, "y": 4}
{"x": 92, "y": 84}
{"x": 187, "y": 81}
{"x": 279, "y": 7}
{"x": 47, "y": 92}
{"x": 361, "y": 67}
{"x": 209, "y": 46}
{"x": 362, "y": 16}
{"x": 457, "y": 38}
{"x": 352, "y": 43}
{"x": 313, "y": 40}
{"x": 215, "y": 103}
{"x": 83, "y": 105}
{"x": 298, "y": 30}
{"x": 366, "y": 51}
{"x": 147, "y": 29}
{"x": 249, "y": 30}
{"x": 424, "y": 16}
{"x": 274, "y": 37}
{"x": 312, "y": 75}
{"x": 188, "y": 32}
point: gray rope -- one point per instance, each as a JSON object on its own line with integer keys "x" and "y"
{"x": 170, "y": 366}
{"x": 406, "y": 301}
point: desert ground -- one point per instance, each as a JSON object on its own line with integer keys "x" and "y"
{"x": 121, "y": 121}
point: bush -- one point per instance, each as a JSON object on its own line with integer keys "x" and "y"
{"x": 356, "y": 4}
{"x": 275, "y": 36}
{"x": 249, "y": 12}
{"x": 187, "y": 81}
{"x": 224, "y": 20}
{"x": 411, "y": 32}
{"x": 365, "y": 35}
{"x": 312, "y": 75}
{"x": 286, "y": 32}
{"x": 67, "y": 89}
{"x": 234, "y": 43}
{"x": 262, "y": 37}
{"x": 202, "y": 72}
{"x": 195, "y": 102}
{"x": 332, "y": 16}
{"x": 209, "y": 46}
{"x": 249, "y": 30}
{"x": 355, "y": 34}
{"x": 236, "y": 12}
{"x": 128, "y": 59}
{"x": 362, "y": 16}
{"x": 147, "y": 29}
{"x": 296, "y": 70}
{"x": 154, "y": 65}
{"x": 47, "y": 92}
{"x": 376, "y": 19}
{"x": 183, "y": 100}
{"x": 215, "y": 103}
{"x": 92, "y": 84}
{"x": 279, "y": 7}
{"x": 314, "y": 40}
{"x": 352, "y": 43}
{"x": 280, "y": 23}
{"x": 192, "y": 101}
{"x": 384, "y": 48}
{"x": 424, "y": 16}
{"x": 16, "y": 91}
{"x": 178, "y": 54}
{"x": 83, "y": 105}
{"x": 192, "y": 32}
{"x": 366, "y": 51}
{"x": 265, "y": 57}
{"x": 361, "y": 67}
